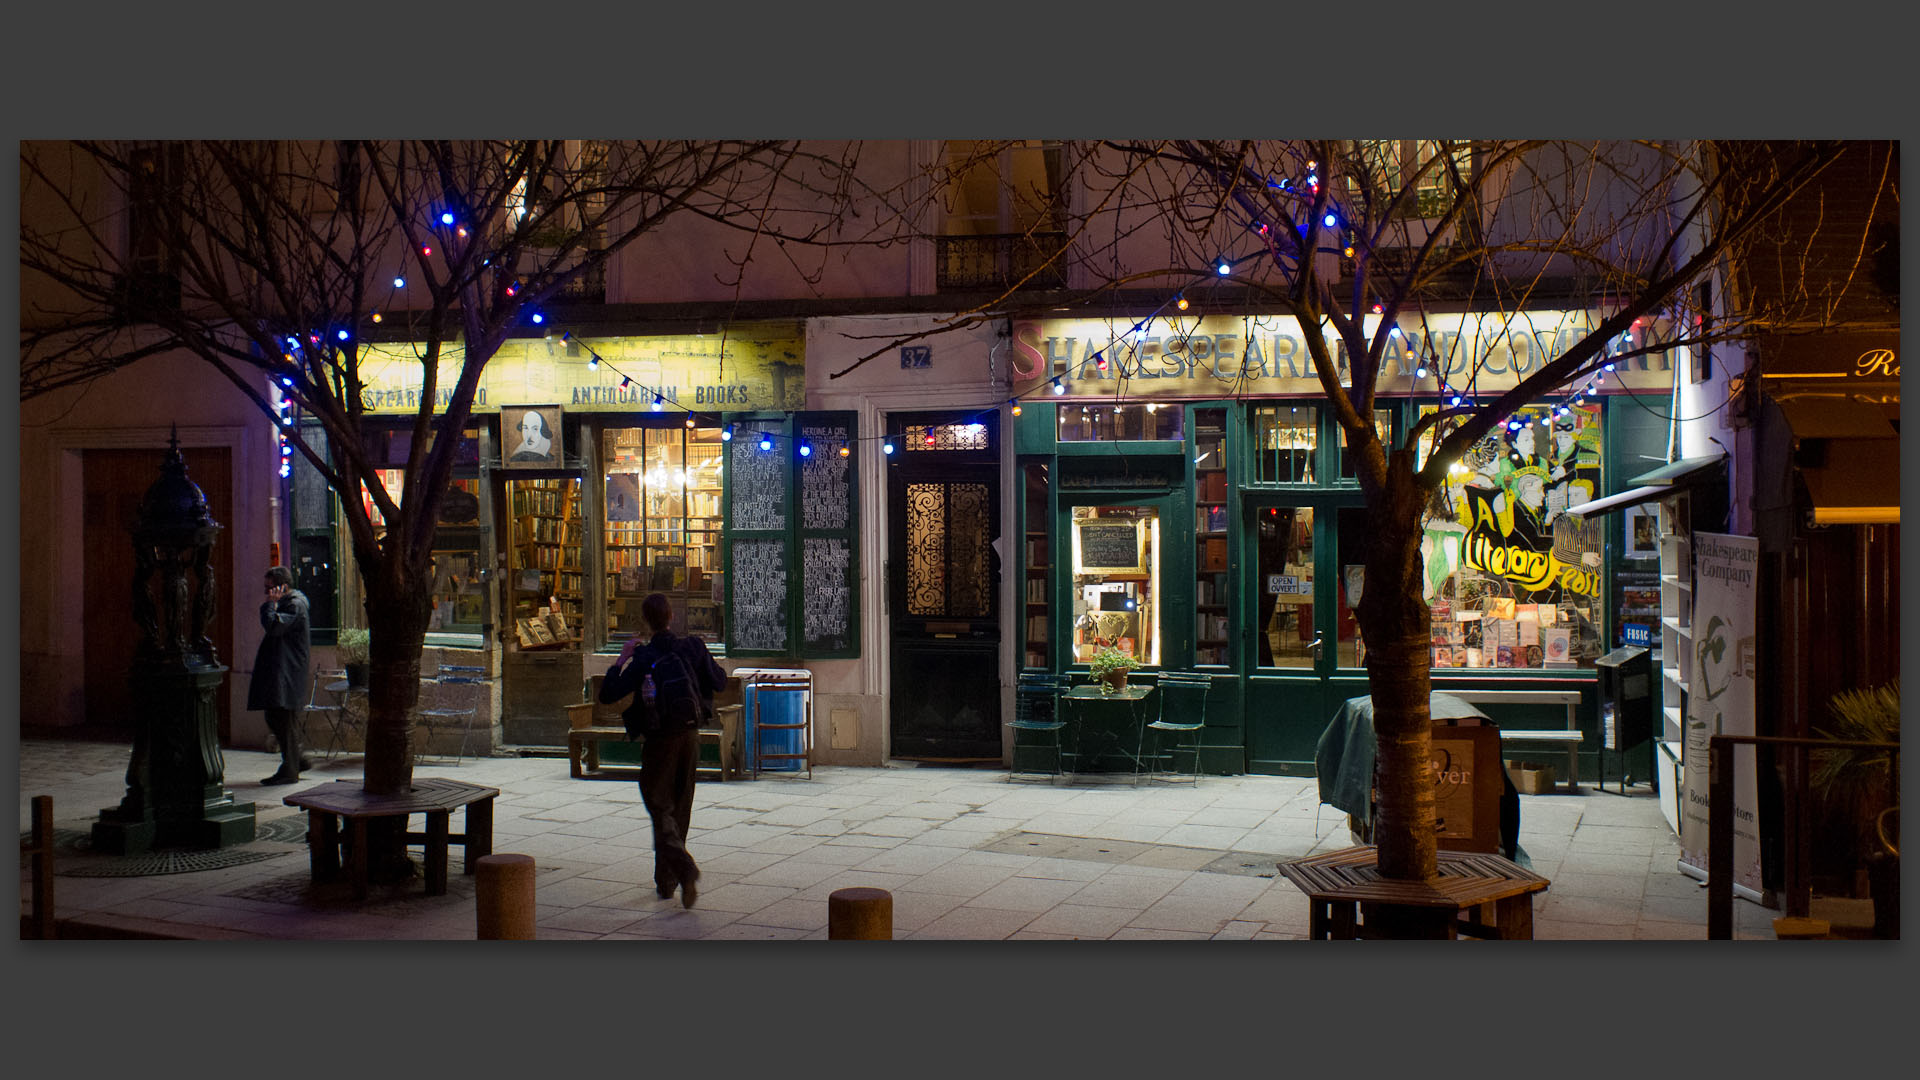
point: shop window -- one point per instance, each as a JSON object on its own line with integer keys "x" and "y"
{"x": 1210, "y": 517}
{"x": 1038, "y": 563}
{"x": 1116, "y": 581}
{"x": 1382, "y": 427}
{"x": 315, "y": 556}
{"x": 1113, "y": 423}
{"x": 663, "y": 527}
{"x": 1286, "y": 444}
{"x": 1511, "y": 579}
{"x": 459, "y": 595}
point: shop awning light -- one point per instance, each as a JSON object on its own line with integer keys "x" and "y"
{"x": 887, "y": 446}
{"x": 766, "y": 442}
{"x": 726, "y": 433}
{"x": 805, "y": 450}
{"x": 656, "y": 404}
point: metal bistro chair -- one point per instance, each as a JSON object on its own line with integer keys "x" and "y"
{"x": 1036, "y": 708}
{"x": 443, "y": 718}
{"x": 340, "y": 722}
{"x": 1183, "y": 711}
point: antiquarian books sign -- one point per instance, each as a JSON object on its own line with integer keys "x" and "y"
{"x": 753, "y": 368}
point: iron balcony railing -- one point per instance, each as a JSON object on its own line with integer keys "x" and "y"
{"x": 588, "y": 288}
{"x": 1000, "y": 261}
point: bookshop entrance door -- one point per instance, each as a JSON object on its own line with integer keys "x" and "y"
{"x": 1305, "y": 652}
{"x": 542, "y": 603}
{"x": 943, "y": 580}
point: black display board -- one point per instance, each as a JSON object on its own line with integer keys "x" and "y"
{"x": 757, "y": 479}
{"x": 826, "y": 604}
{"x": 1109, "y": 548}
{"x": 758, "y": 580}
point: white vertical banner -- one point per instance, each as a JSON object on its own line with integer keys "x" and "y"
{"x": 1720, "y": 696}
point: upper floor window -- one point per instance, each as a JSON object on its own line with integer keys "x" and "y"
{"x": 1006, "y": 217}
{"x": 1378, "y": 169}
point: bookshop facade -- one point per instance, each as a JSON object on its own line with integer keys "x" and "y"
{"x": 595, "y": 471}
{"x": 1190, "y": 503}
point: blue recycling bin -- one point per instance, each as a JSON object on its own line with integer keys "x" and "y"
{"x": 774, "y": 697}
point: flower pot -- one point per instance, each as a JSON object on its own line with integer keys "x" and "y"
{"x": 1114, "y": 681}
{"x": 356, "y": 675}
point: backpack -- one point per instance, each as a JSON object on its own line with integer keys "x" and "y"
{"x": 669, "y": 696}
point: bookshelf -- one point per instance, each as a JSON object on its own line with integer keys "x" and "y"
{"x": 1210, "y": 517}
{"x": 544, "y": 562}
{"x": 1039, "y": 566}
{"x": 1673, "y": 653}
{"x": 663, "y": 526}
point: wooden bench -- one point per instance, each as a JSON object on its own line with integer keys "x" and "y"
{"x": 346, "y": 800}
{"x": 1476, "y": 894}
{"x": 583, "y": 749}
{"x": 1568, "y": 738}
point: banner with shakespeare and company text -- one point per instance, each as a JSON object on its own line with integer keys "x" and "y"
{"x": 1720, "y": 696}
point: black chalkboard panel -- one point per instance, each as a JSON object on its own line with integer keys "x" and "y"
{"x": 825, "y": 493}
{"x": 827, "y": 603}
{"x": 757, "y": 606}
{"x": 1109, "y": 547}
{"x": 757, "y": 480}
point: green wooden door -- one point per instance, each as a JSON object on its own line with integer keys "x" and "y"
{"x": 1299, "y": 581}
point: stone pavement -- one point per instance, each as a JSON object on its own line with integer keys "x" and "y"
{"x": 965, "y": 853}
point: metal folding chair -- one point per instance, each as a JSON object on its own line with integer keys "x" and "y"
{"x": 1036, "y": 708}
{"x": 1183, "y": 712}
{"x": 340, "y": 723}
{"x": 445, "y": 718}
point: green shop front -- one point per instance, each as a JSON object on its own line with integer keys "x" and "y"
{"x": 596, "y": 470}
{"x": 1186, "y": 499}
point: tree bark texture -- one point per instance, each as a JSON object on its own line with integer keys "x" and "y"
{"x": 1394, "y": 622}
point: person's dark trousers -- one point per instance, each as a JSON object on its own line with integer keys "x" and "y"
{"x": 667, "y": 764}
{"x": 281, "y": 723}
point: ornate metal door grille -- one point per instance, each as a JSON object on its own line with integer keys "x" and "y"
{"x": 948, "y": 573}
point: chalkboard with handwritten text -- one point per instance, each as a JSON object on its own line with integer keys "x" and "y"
{"x": 757, "y": 608}
{"x": 1112, "y": 548}
{"x": 757, "y": 484}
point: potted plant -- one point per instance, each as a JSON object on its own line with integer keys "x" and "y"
{"x": 352, "y": 646}
{"x": 1109, "y": 668}
{"x": 1860, "y": 785}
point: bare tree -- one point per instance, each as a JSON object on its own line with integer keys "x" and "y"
{"x": 274, "y": 262}
{"x": 1364, "y": 241}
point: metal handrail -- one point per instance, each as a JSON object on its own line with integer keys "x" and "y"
{"x": 1720, "y": 813}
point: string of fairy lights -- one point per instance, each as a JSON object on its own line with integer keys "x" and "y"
{"x": 1117, "y": 351}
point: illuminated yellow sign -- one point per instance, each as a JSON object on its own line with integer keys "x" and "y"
{"x": 1217, "y": 355}
{"x": 748, "y": 369}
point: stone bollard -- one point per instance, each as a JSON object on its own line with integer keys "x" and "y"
{"x": 504, "y": 906}
{"x": 860, "y": 914}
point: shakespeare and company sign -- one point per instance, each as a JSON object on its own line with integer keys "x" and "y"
{"x": 1219, "y": 355}
{"x": 760, "y": 368}
{"x": 1720, "y": 699}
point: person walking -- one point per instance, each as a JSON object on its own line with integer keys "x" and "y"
{"x": 666, "y": 714}
{"x": 280, "y": 670}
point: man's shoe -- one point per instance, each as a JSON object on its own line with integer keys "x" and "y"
{"x": 280, "y": 778}
{"x": 688, "y": 894}
{"x": 665, "y": 891}
{"x": 305, "y": 764}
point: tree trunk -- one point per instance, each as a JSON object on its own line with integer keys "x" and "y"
{"x": 1394, "y": 622}
{"x": 397, "y": 615}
